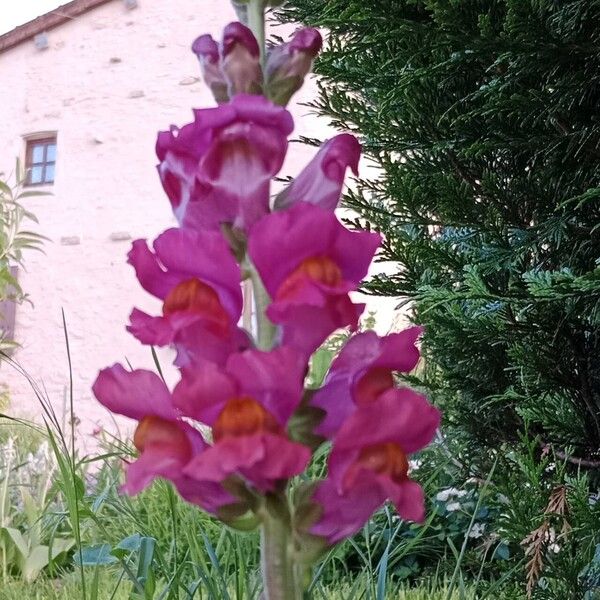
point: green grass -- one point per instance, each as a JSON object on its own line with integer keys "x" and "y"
{"x": 64, "y": 588}
{"x": 69, "y": 588}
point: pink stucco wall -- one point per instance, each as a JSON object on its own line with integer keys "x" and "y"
{"x": 109, "y": 80}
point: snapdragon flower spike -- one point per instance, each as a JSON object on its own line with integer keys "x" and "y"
{"x": 309, "y": 262}
{"x": 363, "y": 371}
{"x": 369, "y": 463}
{"x": 165, "y": 442}
{"x": 321, "y": 181}
{"x": 218, "y": 169}
{"x": 248, "y": 404}
{"x": 240, "y": 60}
{"x": 207, "y": 51}
{"x": 198, "y": 280}
{"x": 288, "y": 64}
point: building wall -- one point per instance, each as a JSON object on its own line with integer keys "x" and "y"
{"x": 108, "y": 82}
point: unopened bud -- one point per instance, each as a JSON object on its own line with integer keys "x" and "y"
{"x": 288, "y": 64}
{"x": 207, "y": 51}
{"x": 240, "y": 61}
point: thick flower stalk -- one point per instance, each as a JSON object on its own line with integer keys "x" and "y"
{"x": 235, "y": 435}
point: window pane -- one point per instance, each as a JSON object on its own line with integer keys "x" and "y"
{"x": 49, "y": 178}
{"x": 35, "y": 175}
{"x": 37, "y": 154}
{"x": 51, "y": 153}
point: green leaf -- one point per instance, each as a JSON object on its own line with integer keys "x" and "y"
{"x": 95, "y": 555}
{"x": 18, "y": 540}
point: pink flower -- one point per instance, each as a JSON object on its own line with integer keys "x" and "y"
{"x": 248, "y": 405}
{"x": 362, "y": 372}
{"x": 207, "y": 51}
{"x": 308, "y": 262}
{"x": 218, "y": 169}
{"x": 369, "y": 463}
{"x": 240, "y": 60}
{"x": 198, "y": 280}
{"x": 166, "y": 444}
{"x": 288, "y": 64}
{"x": 322, "y": 179}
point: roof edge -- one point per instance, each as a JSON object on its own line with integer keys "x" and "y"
{"x": 49, "y": 20}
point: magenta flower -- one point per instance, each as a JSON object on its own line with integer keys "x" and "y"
{"x": 207, "y": 52}
{"x": 248, "y": 405}
{"x": 322, "y": 179}
{"x": 166, "y": 444}
{"x": 218, "y": 169}
{"x": 362, "y": 372}
{"x": 198, "y": 280}
{"x": 308, "y": 262}
{"x": 240, "y": 60}
{"x": 288, "y": 64}
{"x": 369, "y": 463}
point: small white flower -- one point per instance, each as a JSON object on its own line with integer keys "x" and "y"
{"x": 477, "y": 530}
{"x": 453, "y": 506}
{"x": 448, "y": 493}
{"x": 442, "y": 496}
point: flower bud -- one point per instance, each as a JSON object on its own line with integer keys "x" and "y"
{"x": 207, "y": 52}
{"x": 288, "y": 64}
{"x": 240, "y": 60}
{"x": 321, "y": 181}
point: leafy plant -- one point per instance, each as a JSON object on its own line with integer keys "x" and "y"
{"x": 14, "y": 239}
{"x": 28, "y": 542}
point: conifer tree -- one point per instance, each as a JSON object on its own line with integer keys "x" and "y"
{"x": 484, "y": 119}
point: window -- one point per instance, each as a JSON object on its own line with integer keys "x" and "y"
{"x": 40, "y": 161}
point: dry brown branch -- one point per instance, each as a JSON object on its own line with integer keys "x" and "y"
{"x": 536, "y": 542}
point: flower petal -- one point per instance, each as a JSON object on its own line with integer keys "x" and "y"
{"x": 272, "y": 378}
{"x": 134, "y": 394}
{"x": 262, "y": 460}
{"x": 344, "y": 514}
{"x": 401, "y": 416}
{"x": 203, "y": 391}
{"x": 206, "y": 255}
{"x": 153, "y": 278}
{"x": 364, "y": 351}
{"x": 410, "y": 501}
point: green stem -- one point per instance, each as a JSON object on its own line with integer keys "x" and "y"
{"x": 281, "y": 577}
{"x": 265, "y": 334}
{"x": 278, "y": 569}
{"x": 256, "y": 22}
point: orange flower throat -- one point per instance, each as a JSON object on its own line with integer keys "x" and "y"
{"x": 318, "y": 268}
{"x": 244, "y": 416}
{"x": 384, "y": 459}
{"x": 153, "y": 430}
{"x": 194, "y": 296}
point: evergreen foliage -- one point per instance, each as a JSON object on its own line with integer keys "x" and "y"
{"x": 483, "y": 117}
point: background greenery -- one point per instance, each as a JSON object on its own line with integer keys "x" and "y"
{"x": 482, "y": 120}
